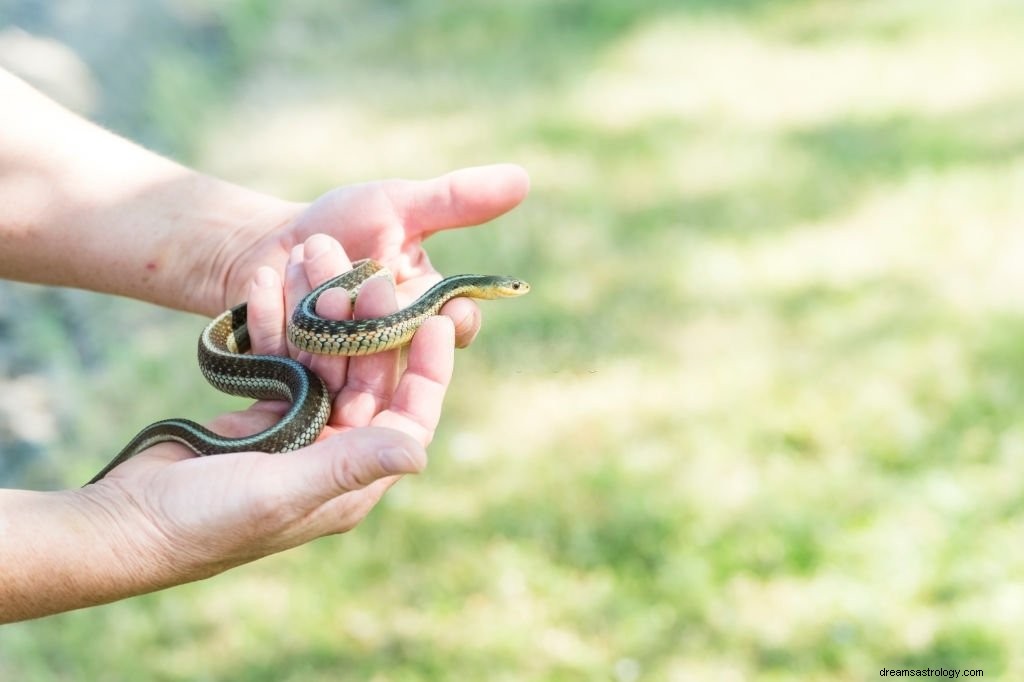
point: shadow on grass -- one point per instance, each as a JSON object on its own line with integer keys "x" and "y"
{"x": 891, "y": 149}
{"x": 844, "y": 162}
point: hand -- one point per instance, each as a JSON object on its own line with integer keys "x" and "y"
{"x": 112, "y": 217}
{"x": 387, "y": 221}
{"x": 205, "y": 514}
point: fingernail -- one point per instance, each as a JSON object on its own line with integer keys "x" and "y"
{"x": 397, "y": 460}
{"x": 295, "y": 257}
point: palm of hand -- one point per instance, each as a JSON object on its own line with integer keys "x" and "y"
{"x": 214, "y": 512}
{"x": 207, "y": 514}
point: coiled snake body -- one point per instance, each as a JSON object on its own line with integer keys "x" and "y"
{"x": 223, "y": 360}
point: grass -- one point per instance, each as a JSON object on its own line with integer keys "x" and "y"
{"x": 760, "y": 417}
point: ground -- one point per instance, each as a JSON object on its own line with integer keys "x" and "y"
{"x": 760, "y": 417}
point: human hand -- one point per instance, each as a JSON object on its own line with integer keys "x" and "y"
{"x": 200, "y": 515}
{"x": 113, "y": 217}
{"x": 387, "y": 221}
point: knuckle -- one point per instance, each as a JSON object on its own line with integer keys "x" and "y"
{"x": 347, "y": 475}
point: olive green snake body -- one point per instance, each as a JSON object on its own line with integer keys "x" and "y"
{"x": 224, "y": 361}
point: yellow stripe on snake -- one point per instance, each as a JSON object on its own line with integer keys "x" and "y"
{"x": 223, "y": 360}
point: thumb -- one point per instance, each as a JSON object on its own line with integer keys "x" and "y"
{"x": 341, "y": 463}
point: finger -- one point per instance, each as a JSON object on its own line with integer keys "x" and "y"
{"x": 371, "y": 378}
{"x": 468, "y": 196}
{"x": 463, "y": 311}
{"x": 333, "y": 304}
{"x": 266, "y": 313}
{"x": 296, "y": 285}
{"x": 415, "y": 407}
{"x": 342, "y": 463}
{"x": 466, "y": 317}
{"x": 412, "y": 287}
{"x": 344, "y": 512}
{"x": 323, "y": 259}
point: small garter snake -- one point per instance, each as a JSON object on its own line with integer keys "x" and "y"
{"x": 226, "y": 364}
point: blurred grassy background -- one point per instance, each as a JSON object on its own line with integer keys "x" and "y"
{"x": 760, "y": 417}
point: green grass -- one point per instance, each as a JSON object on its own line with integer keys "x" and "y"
{"x": 760, "y": 417}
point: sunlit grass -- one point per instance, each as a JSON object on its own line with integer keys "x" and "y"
{"x": 760, "y": 416}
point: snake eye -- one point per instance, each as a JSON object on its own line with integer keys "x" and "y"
{"x": 516, "y": 284}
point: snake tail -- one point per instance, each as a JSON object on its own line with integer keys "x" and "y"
{"x": 223, "y": 362}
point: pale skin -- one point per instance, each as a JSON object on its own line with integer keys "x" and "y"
{"x": 84, "y": 208}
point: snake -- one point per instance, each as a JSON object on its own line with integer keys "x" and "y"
{"x": 227, "y": 364}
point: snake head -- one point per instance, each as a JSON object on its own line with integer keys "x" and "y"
{"x": 510, "y": 287}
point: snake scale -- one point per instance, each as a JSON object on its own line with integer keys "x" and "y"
{"x": 225, "y": 361}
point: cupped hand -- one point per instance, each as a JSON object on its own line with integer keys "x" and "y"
{"x": 200, "y": 515}
{"x": 388, "y": 221}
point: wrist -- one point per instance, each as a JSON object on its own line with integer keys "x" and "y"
{"x": 85, "y": 208}
{"x": 67, "y": 550}
{"x": 202, "y": 229}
